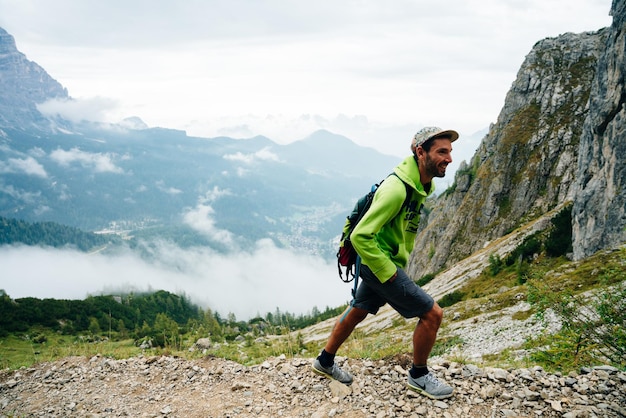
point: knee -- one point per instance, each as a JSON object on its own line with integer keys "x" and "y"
{"x": 434, "y": 316}
{"x": 359, "y": 314}
{"x": 353, "y": 315}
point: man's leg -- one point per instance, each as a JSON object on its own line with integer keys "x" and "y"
{"x": 425, "y": 335}
{"x": 324, "y": 364}
{"x": 343, "y": 328}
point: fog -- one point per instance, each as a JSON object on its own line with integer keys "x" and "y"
{"x": 243, "y": 283}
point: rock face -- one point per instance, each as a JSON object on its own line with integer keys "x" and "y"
{"x": 23, "y": 84}
{"x": 210, "y": 387}
{"x": 599, "y": 211}
{"x": 559, "y": 141}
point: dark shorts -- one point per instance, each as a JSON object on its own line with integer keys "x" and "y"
{"x": 403, "y": 295}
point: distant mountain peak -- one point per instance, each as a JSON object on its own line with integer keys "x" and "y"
{"x": 7, "y": 43}
{"x": 324, "y": 137}
{"x": 133, "y": 122}
{"x": 24, "y": 84}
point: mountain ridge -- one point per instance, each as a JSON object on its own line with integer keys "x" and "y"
{"x": 93, "y": 175}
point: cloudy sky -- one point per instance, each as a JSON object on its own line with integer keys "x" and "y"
{"x": 373, "y": 71}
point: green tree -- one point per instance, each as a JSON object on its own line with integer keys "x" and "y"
{"x": 166, "y": 331}
{"x": 559, "y": 241}
{"x": 94, "y": 326}
{"x": 212, "y": 324}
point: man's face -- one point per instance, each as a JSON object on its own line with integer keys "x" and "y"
{"x": 437, "y": 159}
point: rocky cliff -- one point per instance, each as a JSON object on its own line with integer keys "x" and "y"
{"x": 566, "y": 92}
{"x": 24, "y": 84}
{"x": 599, "y": 210}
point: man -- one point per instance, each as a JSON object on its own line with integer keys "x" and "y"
{"x": 384, "y": 239}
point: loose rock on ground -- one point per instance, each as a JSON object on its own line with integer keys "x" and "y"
{"x": 285, "y": 387}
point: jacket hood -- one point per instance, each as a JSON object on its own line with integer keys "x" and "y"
{"x": 408, "y": 172}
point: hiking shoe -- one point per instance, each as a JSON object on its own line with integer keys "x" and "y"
{"x": 430, "y": 386}
{"x": 332, "y": 372}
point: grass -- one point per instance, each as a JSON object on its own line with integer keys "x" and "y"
{"x": 22, "y": 351}
{"x": 486, "y": 294}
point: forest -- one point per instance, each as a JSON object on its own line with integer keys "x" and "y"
{"x": 160, "y": 317}
{"x": 157, "y": 316}
{"x": 51, "y": 234}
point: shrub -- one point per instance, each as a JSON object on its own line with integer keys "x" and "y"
{"x": 559, "y": 241}
{"x": 425, "y": 279}
{"x": 526, "y": 250}
{"x": 451, "y": 298}
{"x": 495, "y": 264}
{"x": 593, "y": 327}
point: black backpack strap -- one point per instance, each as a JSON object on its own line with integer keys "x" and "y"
{"x": 408, "y": 189}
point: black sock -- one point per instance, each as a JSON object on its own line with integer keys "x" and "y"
{"x": 326, "y": 359}
{"x": 418, "y": 371}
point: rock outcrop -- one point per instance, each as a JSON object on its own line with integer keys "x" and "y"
{"x": 599, "y": 211}
{"x": 24, "y": 84}
{"x": 559, "y": 142}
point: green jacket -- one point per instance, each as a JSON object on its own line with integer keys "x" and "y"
{"x": 385, "y": 236}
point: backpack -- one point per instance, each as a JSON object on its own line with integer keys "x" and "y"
{"x": 347, "y": 255}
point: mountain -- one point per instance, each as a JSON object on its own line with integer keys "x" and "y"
{"x": 599, "y": 209}
{"x": 559, "y": 144}
{"x": 24, "y": 84}
{"x": 155, "y": 181}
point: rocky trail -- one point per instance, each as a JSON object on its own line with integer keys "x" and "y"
{"x": 285, "y": 387}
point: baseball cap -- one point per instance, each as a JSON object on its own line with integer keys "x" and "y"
{"x": 432, "y": 132}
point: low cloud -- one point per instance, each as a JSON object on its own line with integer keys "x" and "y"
{"x": 167, "y": 189}
{"x": 27, "y": 165}
{"x": 245, "y": 283}
{"x": 100, "y": 163}
{"x": 95, "y": 109}
{"x": 19, "y": 194}
{"x": 264, "y": 154}
{"x": 201, "y": 219}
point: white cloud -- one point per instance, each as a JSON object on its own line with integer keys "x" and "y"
{"x": 41, "y": 209}
{"x": 240, "y": 157}
{"x": 201, "y": 219}
{"x": 214, "y": 194}
{"x": 96, "y": 109}
{"x": 264, "y": 154}
{"x": 37, "y": 152}
{"x": 244, "y": 283}
{"x": 167, "y": 189}
{"x": 242, "y": 172}
{"x": 100, "y": 163}
{"x": 26, "y": 165}
{"x": 19, "y": 194}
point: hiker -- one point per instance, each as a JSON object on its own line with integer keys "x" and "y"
{"x": 384, "y": 239}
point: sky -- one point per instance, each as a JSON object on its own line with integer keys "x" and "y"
{"x": 373, "y": 71}
{"x": 370, "y": 70}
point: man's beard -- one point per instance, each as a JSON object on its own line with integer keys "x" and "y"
{"x": 433, "y": 169}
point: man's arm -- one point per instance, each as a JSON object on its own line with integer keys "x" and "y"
{"x": 387, "y": 202}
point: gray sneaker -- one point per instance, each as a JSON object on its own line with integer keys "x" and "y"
{"x": 332, "y": 372}
{"x": 429, "y": 385}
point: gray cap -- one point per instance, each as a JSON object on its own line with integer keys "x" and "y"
{"x": 432, "y": 132}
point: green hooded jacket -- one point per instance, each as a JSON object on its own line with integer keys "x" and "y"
{"x": 385, "y": 236}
